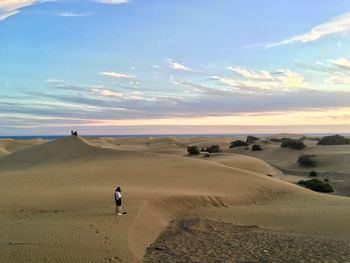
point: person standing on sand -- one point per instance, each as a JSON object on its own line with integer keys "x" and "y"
{"x": 118, "y": 200}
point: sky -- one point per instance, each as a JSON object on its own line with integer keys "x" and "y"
{"x": 175, "y": 66}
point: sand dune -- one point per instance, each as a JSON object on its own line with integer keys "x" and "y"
{"x": 62, "y": 151}
{"x": 57, "y": 202}
{"x": 11, "y": 145}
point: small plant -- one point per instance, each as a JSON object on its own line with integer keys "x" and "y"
{"x": 214, "y": 149}
{"x": 275, "y": 139}
{"x": 306, "y": 161}
{"x": 333, "y": 140}
{"x": 293, "y": 144}
{"x": 326, "y": 180}
{"x": 313, "y": 174}
{"x": 238, "y": 143}
{"x": 207, "y": 155}
{"x": 256, "y": 147}
{"x": 193, "y": 150}
{"x": 252, "y": 139}
{"x": 317, "y": 185}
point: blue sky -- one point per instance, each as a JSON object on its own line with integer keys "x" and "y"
{"x": 155, "y": 66}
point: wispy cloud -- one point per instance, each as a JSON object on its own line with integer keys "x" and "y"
{"x": 342, "y": 63}
{"x": 70, "y": 14}
{"x": 282, "y": 79}
{"x": 12, "y": 7}
{"x": 117, "y": 75}
{"x": 251, "y": 74}
{"x": 339, "y": 24}
{"x": 55, "y": 81}
{"x": 177, "y": 66}
{"x": 113, "y": 2}
{"x": 103, "y": 92}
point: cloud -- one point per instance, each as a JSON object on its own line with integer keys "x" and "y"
{"x": 342, "y": 63}
{"x": 113, "y": 2}
{"x": 12, "y": 7}
{"x": 55, "y": 81}
{"x": 69, "y": 14}
{"x": 283, "y": 79}
{"x": 117, "y": 75}
{"x": 251, "y": 74}
{"x": 338, "y": 25}
{"x": 290, "y": 79}
{"x": 106, "y": 93}
{"x": 337, "y": 80}
{"x": 178, "y": 66}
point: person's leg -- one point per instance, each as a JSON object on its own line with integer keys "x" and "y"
{"x": 119, "y": 209}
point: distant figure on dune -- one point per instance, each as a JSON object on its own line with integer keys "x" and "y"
{"x": 118, "y": 200}
{"x": 74, "y": 133}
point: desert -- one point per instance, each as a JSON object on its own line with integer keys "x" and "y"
{"x": 57, "y": 203}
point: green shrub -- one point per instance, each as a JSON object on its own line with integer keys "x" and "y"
{"x": 256, "y": 147}
{"x": 238, "y": 143}
{"x": 293, "y": 144}
{"x": 252, "y": 139}
{"x": 275, "y": 139}
{"x": 317, "y": 185}
{"x": 193, "y": 150}
{"x": 313, "y": 174}
{"x": 306, "y": 161}
{"x": 333, "y": 140}
{"x": 326, "y": 180}
{"x": 213, "y": 149}
{"x": 207, "y": 155}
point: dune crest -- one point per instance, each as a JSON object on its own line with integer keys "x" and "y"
{"x": 61, "y": 151}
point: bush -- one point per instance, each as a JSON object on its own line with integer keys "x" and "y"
{"x": 192, "y": 150}
{"x": 326, "y": 180}
{"x": 306, "y": 161}
{"x": 212, "y": 149}
{"x": 333, "y": 140}
{"x": 238, "y": 143}
{"x": 207, "y": 155}
{"x": 313, "y": 174}
{"x": 256, "y": 147}
{"x": 317, "y": 185}
{"x": 252, "y": 139}
{"x": 293, "y": 144}
{"x": 275, "y": 139}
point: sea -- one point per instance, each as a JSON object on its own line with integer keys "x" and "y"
{"x": 54, "y": 137}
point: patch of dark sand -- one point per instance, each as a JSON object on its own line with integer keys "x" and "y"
{"x": 195, "y": 239}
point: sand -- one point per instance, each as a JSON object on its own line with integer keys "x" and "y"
{"x": 195, "y": 239}
{"x": 57, "y": 199}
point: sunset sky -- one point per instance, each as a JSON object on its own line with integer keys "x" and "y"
{"x": 174, "y": 66}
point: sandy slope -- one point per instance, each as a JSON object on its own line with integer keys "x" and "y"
{"x": 11, "y": 145}
{"x": 56, "y": 199}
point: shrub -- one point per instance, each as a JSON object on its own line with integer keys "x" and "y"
{"x": 313, "y": 174}
{"x": 333, "y": 140}
{"x": 256, "y": 147}
{"x": 317, "y": 185}
{"x": 192, "y": 150}
{"x": 207, "y": 155}
{"x": 326, "y": 180}
{"x": 213, "y": 149}
{"x": 238, "y": 143}
{"x": 252, "y": 139}
{"x": 306, "y": 161}
{"x": 293, "y": 144}
{"x": 275, "y": 139}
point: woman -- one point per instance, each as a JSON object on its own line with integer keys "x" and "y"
{"x": 118, "y": 200}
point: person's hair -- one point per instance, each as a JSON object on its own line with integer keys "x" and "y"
{"x": 118, "y": 189}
